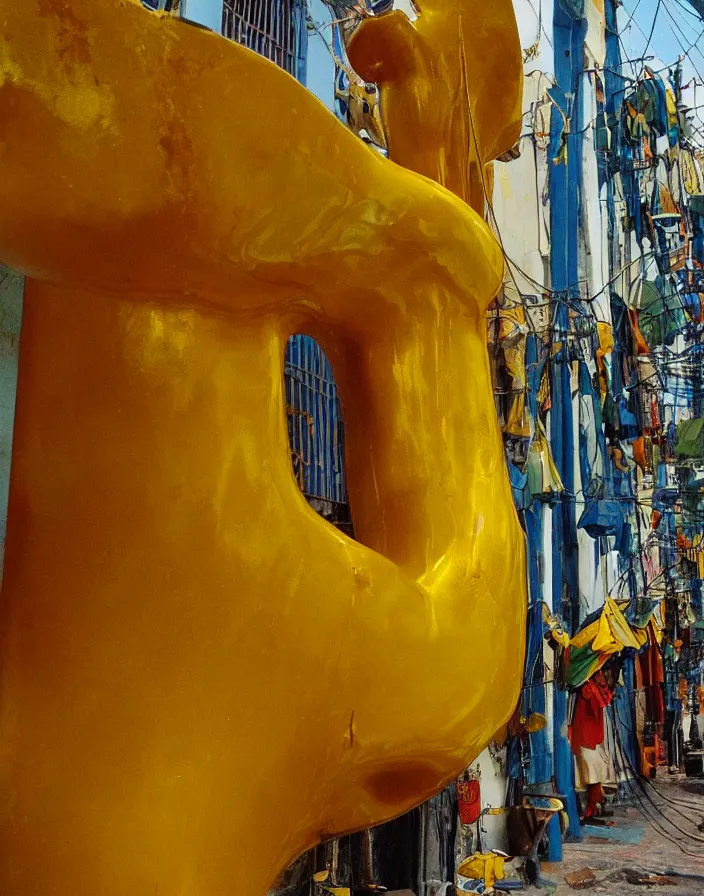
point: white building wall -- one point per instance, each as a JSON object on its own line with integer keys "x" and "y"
{"x": 492, "y": 781}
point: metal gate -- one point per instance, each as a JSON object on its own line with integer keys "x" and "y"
{"x": 269, "y": 27}
{"x": 316, "y": 430}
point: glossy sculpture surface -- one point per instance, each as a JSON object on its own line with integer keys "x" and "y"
{"x": 199, "y": 677}
{"x": 451, "y": 88}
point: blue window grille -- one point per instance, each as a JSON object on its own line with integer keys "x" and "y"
{"x": 273, "y": 28}
{"x": 316, "y": 430}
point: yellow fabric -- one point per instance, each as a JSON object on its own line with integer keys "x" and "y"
{"x": 671, "y": 104}
{"x": 512, "y": 337}
{"x": 543, "y": 803}
{"x": 544, "y": 391}
{"x": 512, "y": 322}
{"x": 587, "y": 635}
{"x": 552, "y": 482}
{"x": 696, "y": 554}
{"x": 691, "y": 172}
{"x": 518, "y": 419}
{"x": 668, "y": 203}
{"x": 614, "y": 631}
{"x": 606, "y": 347}
{"x": 483, "y": 866}
{"x": 606, "y": 337}
{"x": 536, "y": 722}
{"x": 608, "y": 634}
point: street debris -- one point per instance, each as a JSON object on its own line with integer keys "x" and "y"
{"x": 582, "y": 879}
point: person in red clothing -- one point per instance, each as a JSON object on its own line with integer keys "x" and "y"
{"x": 586, "y": 735}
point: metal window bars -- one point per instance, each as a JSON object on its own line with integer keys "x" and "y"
{"x": 268, "y": 27}
{"x": 316, "y": 429}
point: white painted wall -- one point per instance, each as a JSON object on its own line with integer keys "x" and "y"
{"x": 530, "y": 15}
{"x": 518, "y": 189}
{"x": 492, "y": 782}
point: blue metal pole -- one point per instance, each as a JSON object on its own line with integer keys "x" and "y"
{"x": 565, "y": 183}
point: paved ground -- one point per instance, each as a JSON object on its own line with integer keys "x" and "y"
{"x": 657, "y": 833}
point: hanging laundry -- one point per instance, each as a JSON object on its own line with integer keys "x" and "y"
{"x": 639, "y": 455}
{"x": 519, "y": 486}
{"x": 602, "y": 635}
{"x": 673, "y": 119}
{"x": 650, "y": 100}
{"x": 606, "y": 517}
{"x": 652, "y": 675}
{"x": 469, "y": 800}
{"x": 615, "y": 632}
{"x": 606, "y": 347}
{"x": 642, "y": 347}
{"x": 512, "y": 332}
{"x": 690, "y": 438}
{"x": 661, "y": 315}
{"x": 543, "y": 476}
{"x": 691, "y": 172}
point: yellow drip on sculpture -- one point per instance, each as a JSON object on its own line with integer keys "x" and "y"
{"x": 199, "y": 677}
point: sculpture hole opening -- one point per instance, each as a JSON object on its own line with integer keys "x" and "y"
{"x": 316, "y": 430}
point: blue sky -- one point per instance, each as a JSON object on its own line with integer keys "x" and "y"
{"x": 207, "y": 12}
{"x": 321, "y": 68}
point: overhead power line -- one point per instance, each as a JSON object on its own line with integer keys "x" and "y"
{"x": 652, "y": 30}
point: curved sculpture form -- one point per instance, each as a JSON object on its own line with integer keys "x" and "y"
{"x": 199, "y": 678}
{"x": 451, "y": 87}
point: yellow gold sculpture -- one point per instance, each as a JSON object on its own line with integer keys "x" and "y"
{"x": 199, "y": 677}
{"x": 451, "y": 87}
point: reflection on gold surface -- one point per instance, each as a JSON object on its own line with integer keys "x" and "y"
{"x": 200, "y": 678}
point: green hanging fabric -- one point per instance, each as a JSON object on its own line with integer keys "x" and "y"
{"x": 690, "y": 438}
{"x": 660, "y": 317}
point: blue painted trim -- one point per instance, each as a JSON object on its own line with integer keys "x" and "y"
{"x": 534, "y": 696}
{"x": 565, "y": 218}
{"x": 300, "y": 12}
